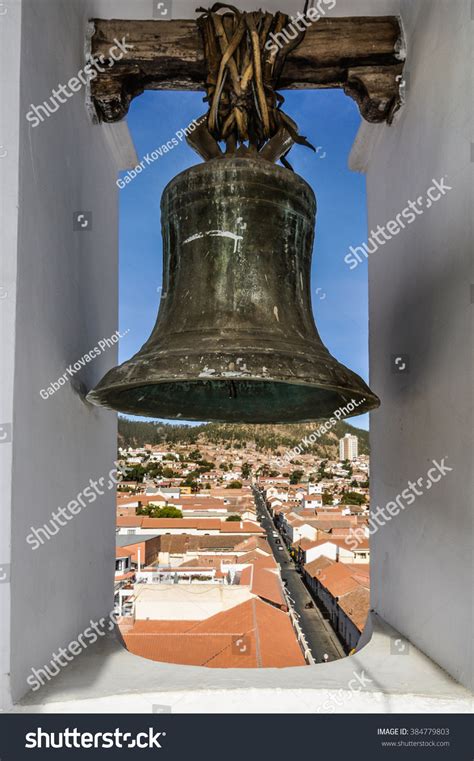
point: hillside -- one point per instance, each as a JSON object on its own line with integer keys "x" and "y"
{"x": 266, "y": 437}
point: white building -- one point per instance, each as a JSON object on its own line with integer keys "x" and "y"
{"x": 312, "y": 501}
{"x": 348, "y": 447}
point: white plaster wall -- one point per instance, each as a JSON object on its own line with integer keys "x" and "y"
{"x": 420, "y": 305}
{"x": 10, "y": 35}
{"x": 66, "y": 301}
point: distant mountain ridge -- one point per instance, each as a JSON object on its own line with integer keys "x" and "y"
{"x": 136, "y": 433}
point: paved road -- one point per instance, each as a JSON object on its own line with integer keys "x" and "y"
{"x": 319, "y": 634}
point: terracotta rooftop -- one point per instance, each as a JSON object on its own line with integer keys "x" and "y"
{"x": 346, "y": 541}
{"x": 253, "y": 634}
{"x": 339, "y": 584}
{"x": 123, "y": 552}
{"x": 209, "y": 503}
{"x": 253, "y": 555}
{"x": 356, "y": 605}
{"x": 198, "y": 524}
{"x": 243, "y": 527}
{"x": 306, "y": 544}
{"x": 129, "y": 521}
{"x": 338, "y": 578}
{"x": 327, "y": 525}
{"x": 203, "y": 563}
{"x": 179, "y": 543}
{"x": 231, "y": 493}
{"x": 316, "y": 567}
{"x": 266, "y": 583}
{"x": 125, "y": 499}
{"x": 254, "y": 543}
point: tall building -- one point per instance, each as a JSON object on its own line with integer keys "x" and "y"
{"x": 348, "y": 447}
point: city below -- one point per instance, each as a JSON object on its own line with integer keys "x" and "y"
{"x": 229, "y": 556}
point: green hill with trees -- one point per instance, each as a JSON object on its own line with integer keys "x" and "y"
{"x": 267, "y": 438}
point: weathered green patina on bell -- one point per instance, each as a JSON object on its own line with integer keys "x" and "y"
{"x": 235, "y": 338}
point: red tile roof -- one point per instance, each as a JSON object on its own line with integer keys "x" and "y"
{"x": 202, "y": 524}
{"x": 317, "y": 567}
{"x": 253, "y": 634}
{"x": 266, "y": 584}
{"x": 125, "y": 576}
{"x": 201, "y": 503}
{"x": 263, "y": 561}
{"x": 123, "y": 552}
{"x": 129, "y": 521}
{"x": 356, "y": 605}
{"x": 241, "y": 527}
{"x": 254, "y": 543}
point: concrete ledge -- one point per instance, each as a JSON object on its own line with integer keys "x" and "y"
{"x": 108, "y": 679}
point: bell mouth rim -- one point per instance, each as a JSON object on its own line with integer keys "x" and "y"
{"x": 98, "y": 397}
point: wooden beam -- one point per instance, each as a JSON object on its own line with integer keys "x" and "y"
{"x": 361, "y": 55}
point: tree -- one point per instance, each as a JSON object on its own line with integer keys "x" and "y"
{"x": 246, "y": 470}
{"x": 170, "y": 473}
{"x": 233, "y": 518}
{"x": 154, "y": 470}
{"x": 190, "y": 480}
{"x": 160, "y": 512}
{"x": 234, "y": 485}
{"x": 205, "y": 466}
{"x": 296, "y": 476}
{"x": 353, "y": 498}
{"x": 322, "y": 466}
{"x": 348, "y": 467}
{"x": 136, "y": 473}
{"x": 327, "y": 498}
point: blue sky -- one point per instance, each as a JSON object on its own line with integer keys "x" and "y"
{"x": 330, "y": 120}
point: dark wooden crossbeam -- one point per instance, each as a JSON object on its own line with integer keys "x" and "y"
{"x": 361, "y": 55}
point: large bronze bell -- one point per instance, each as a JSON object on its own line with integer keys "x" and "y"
{"x": 235, "y": 339}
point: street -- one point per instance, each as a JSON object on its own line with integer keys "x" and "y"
{"x": 319, "y": 634}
